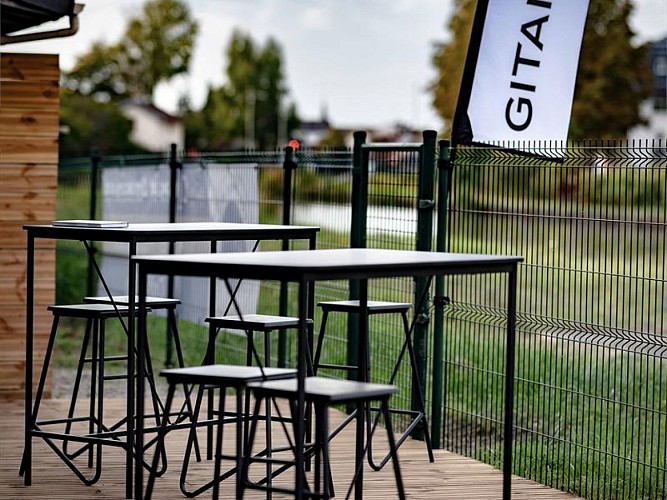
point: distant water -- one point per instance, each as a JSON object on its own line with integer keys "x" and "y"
{"x": 381, "y": 219}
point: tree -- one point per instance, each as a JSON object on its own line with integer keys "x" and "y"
{"x": 93, "y": 125}
{"x": 612, "y": 81}
{"x": 449, "y": 60}
{"x": 155, "y": 47}
{"x": 614, "y": 77}
{"x": 249, "y": 109}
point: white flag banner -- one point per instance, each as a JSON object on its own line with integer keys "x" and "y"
{"x": 521, "y": 68}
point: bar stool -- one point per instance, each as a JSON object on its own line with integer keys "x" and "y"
{"x": 154, "y": 304}
{"x": 95, "y": 316}
{"x": 250, "y": 324}
{"x": 222, "y": 377}
{"x": 321, "y": 393}
{"x": 374, "y": 308}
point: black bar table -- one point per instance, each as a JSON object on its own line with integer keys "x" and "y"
{"x": 133, "y": 235}
{"x": 307, "y": 267}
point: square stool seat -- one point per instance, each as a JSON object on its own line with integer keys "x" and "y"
{"x": 324, "y": 390}
{"x": 374, "y": 306}
{"x": 224, "y": 375}
{"x": 254, "y": 322}
{"x": 88, "y": 311}
{"x": 124, "y": 300}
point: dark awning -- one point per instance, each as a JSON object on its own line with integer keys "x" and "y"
{"x": 18, "y": 15}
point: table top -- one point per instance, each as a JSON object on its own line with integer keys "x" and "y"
{"x": 310, "y": 265}
{"x": 176, "y": 231}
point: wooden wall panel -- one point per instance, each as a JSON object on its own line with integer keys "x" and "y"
{"x": 34, "y": 150}
{"x": 13, "y": 274}
{"x": 37, "y": 177}
{"x": 29, "y": 207}
{"x": 30, "y": 67}
{"x": 28, "y": 179}
{"x": 27, "y": 123}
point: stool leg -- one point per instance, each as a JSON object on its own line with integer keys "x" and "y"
{"x": 209, "y": 360}
{"x": 417, "y": 385}
{"x": 95, "y": 383}
{"x": 421, "y": 407}
{"x": 326, "y": 457}
{"x": 42, "y": 381}
{"x": 192, "y": 438}
{"x": 157, "y": 403}
{"x": 50, "y": 442}
{"x": 218, "y": 444}
{"x": 267, "y": 412}
{"x": 173, "y": 326}
{"x": 320, "y": 341}
{"x": 77, "y": 383}
{"x": 392, "y": 450}
{"x": 240, "y": 424}
{"x": 247, "y": 454}
{"x": 250, "y": 347}
{"x": 321, "y": 446}
{"x": 160, "y": 446}
{"x": 187, "y": 391}
{"x": 100, "y": 390}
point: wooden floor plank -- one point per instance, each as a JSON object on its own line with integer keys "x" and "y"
{"x": 449, "y": 477}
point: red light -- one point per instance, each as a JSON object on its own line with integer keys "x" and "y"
{"x": 294, "y": 144}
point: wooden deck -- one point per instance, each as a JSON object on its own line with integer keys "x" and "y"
{"x": 450, "y": 477}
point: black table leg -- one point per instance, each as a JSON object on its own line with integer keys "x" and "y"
{"x": 509, "y": 383}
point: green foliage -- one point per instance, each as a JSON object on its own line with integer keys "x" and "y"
{"x": 624, "y": 187}
{"x": 334, "y": 138}
{"x": 71, "y": 260}
{"x": 155, "y": 47}
{"x": 449, "y": 59}
{"x": 71, "y": 272}
{"x": 93, "y": 125}
{"x": 612, "y": 81}
{"x": 158, "y": 45}
{"x": 394, "y": 190}
{"x": 582, "y": 419}
{"x": 385, "y": 189}
{"x": 249, "y": 109}
{"x": 614, "y": 77}
{"x": 309, "y": 185}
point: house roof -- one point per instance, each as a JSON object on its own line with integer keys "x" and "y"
{"x": 150, "y": 108}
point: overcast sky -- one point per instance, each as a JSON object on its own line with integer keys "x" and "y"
{"x": 367, "y": 62}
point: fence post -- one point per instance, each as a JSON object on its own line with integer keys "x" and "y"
{"x": 174, "y": 166}
{"x": 445, "y": 165}
{"x": 357, "y": 237}
{"x": 95, "y": 160}
{"x": 425, "y": 205}
{"x": 289, "y": 165}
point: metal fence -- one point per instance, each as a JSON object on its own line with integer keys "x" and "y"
{"x": 591, "y": 360}
{"x": 591, "y": 374}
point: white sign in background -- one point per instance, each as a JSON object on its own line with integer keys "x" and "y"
{"x": 524, "y": 78}
{"x": 215, "y": 193}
